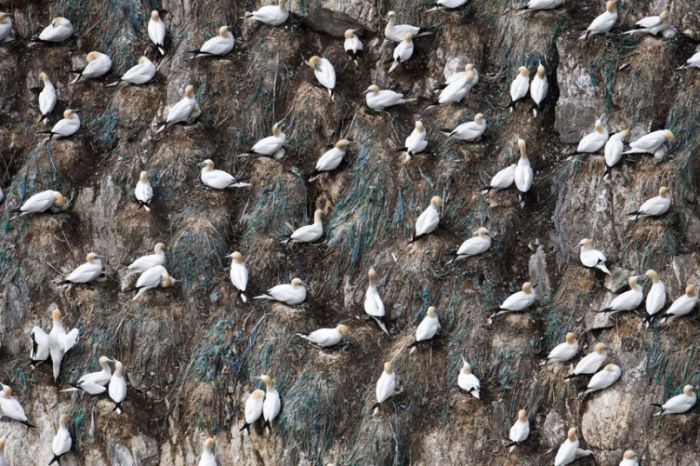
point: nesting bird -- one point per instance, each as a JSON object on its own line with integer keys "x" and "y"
{"x": 470, "y": 131}
{"x": 523, "y": 175}
{"x": 656, "y": 297}
{"x": 519, "y": 301}
{"x": 468, "y": 382}
{"x": 569, "y": 451}
{"x": 504, "y": 179}
{"x": 239, "y": 274}
{"x": 603, "y": 23}
{"x": 253, "y": 409}
{"x": 629, "y": 458}
{"x": 373, "y": 305}
{"x": 54, "y": 344}
{"x": 87, "y": 272}
{"x": 143, "y": 192}
{"x": 352, "y": 45}
{"x": 428, "y": 221}
{"x": 218, "y": 179}
{"x": 627, "y": 301}
{"x": 117, "y": 386}
{"x": 591, "y": 257}
{"x": 603, "y": 379}
{"x": 692, "y": 62}
{"x": 68, "y": 126}
{"x": 654, "y": 207}
{"x": 564, "y": 351}
{"x": 59, "y": 30}
{"x": 458, "y": 85}
{"x": 138, "y": 74}
{"x": 94, "y": 383}
{"x": 62, "y": 441}
{"x": 427, "y": 329}
{"x": 476, "y": 245}
{"x": 156, "y": 31}
{"x": 519, "y": 87}
{"x": 652, "y": 143}
{"x": 403, "y": 51}
{"x": 144, "y": 263}
{"x": 519, "y": 431}
{"x": 308, "y": 233}
{"x": 326, "y": 337}
{"x": 271, "y": 145}
{"x": 682, "y": 306}
{"x": 290, "y": 294}
{"x": 397, "y": 32}
{"x": 208, "y": 458}
{"x": 614, "y": 149}
{"x": 47, "y": 96}
{"x": 273, "y": 15}
{"x": 324, "y": 72}
{"x": 448, "y": 5}
{"x": 331, "y": 159}
{"x": 6, "y": 33}
{"x": 379, "y": 100}
{"x": 590, "y": 364}
{"x": 386, "y": 387}
{"x": 156, "y": 276}
{"x": 416, "y": 142}
{"x": 539, "y": 87}
{"x": 272, "y": 404}
{"x": 11, "y": 408}
{"x": 51, "y": 201}
{"x": 218, "y": 46}
{"x": 185, "y": 110}
{"x": 593, "y": 142}
{"x": 651, "y": 24}
{"x": 679, "y": 404}
{"x": 98, "y": 64}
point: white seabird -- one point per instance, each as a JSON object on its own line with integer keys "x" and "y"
{"x": 271, "y": 145}
{"x": 239, "y": 274}
{"x": 428, "y": 221}
{"x": 47, "y": 96}
{"x": 592, "y": 258}
{"x": 448, "y": 5}
{"x": 679, "y": 404}
{"x": 536, "y": 5}
{"x": 569, "y": 451}
{"x": 6, "y": 33}
{"x": 403, "y": 51}
{"x": 477, "y": 244}
{"x": 55, "y": 344}
{"x": 184, "y": 110}
{"x": 144, "y": 263}
{"x": 308, "y": 233}
{"x": 519, "y": 86}
{"x": 373, "y": 305}
{"x": 416, "y": 142}
{"x": 504, "y": 179}
{"x": 331, "y": 159}
{"x": 386, "y": 386}
{"x": 539, "y": 88}
{"x": 468, "y": 382}
{"x": 352, "y": 45}
{"x": 692, "y": 62}
{"x": 627, "y": 301}
{"x": 519, "y": 431}
{"x": 682, "y": 306}
{"x": 427, "y": 329}
{"x": 208, "y": 457}
{"x": 62, "y": 441}
{"x": 156, "y": 31}
{"x": 396, "y": 32}
{"x": 98, "y": 64}
{"x": 519, "y": 301}
{"x": 139, "y": 74}
{"x": 324, "y": 72}
{"x": 652, "y": 143}
{"x": 218, "y": 46}
{"x": 272, "y": 404}
{"x": 523, "y": 175}
{"x": 629, "y": 458}
{"x": 654, "y": 207}
{"x": 94, "y": 383}
{"x": 11, "y": 408}
{"x": 604, "y": 378}
{"x": 117, "y": 386}
{"x": 87, "y": 272}
{"x": 59, "y": 30}
{"x": 218, "y": 179}
{"x": 274, "y": 15}
{"x": 156, "y": 276}
{"x": 68, "y": 126}
{"x": 564, "y": 351}
{"x": 593, "y": 142}
{"x": 458, "y": 85}
{"x": 603, "y": 23}
{"x": 326, "y": 337}
{"x": 590, "y": 363}
{"x": 614, "y": 148}
{"x": 651, "y": 24}
{"x": 290, "y": 294}
{"x": 52, "y": 201}
{"x": 143, "y": 192}
{"x": 378, "y": 99}
{"x": 656, "y": 297}
{"x": 253, "y": 409}
{"x": 470, "y": 131}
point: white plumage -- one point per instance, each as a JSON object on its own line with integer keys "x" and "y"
{"x": 143, "y": 192}
{"x": 308, "y": 233}
{"x": 615, "y": 147}
{"x": 534, "y": 5}
{"x": 592, "y": 258}
{"x": 396, "y": 32}
{"x": 47, "y": 96}
{"x": 239, "y": 274}
{"x": 417, "y": 141}
{"x": 603, "y": 23}
{"x": 156, "y": 31}
{"x": 569, "y": 450}
{"x": 593, "y": 142}
{"x": 98, "y": 65}
{"x": 683, "y": 305}
{"x": 270, "y": 144}
{"x": 11, "y": 408}
{"x": 272, "y": 404}
{"x": 373, "y": 302}
{"x": 153, "y": 278}
{"x": 352, "y": 45}
{"x": 273, "y": 15}
{"x": 43, "y": 201}
{"x": 60, "y": 342}
{"x": 504, "y": 179}
{"x": 629, "y": 300}
{"x": 448, "y": 4}
{"x": 469, "y": 131}
{"x": 520, "y": 430}
{"x": 208, "y": 457}
{"x": 604, "y": 379}
{"x": 520, "y": 85}
{"x": 144, "y": 263}
{"x": 59, "y": 30}
{"x": 6, "y": 35}
{"x": 139, "y": 74}
{"x": 182, "y": 111}
{"x": 429, "y": 326}
{"x": 520, "y": 300}
{"x": 68, "y": 126}
{"x": 117, "y": 386}
{"x": 290, "y": 294}
{"x": 564, "y": 351}
{"x": 651, "y": 24}
{"x": 629, "y": 458}
{"x": 656, "y": 297}
{"x": 680, "y": 403}
{"x": 523, "y": 175}
{"x": 94, "y": 383}
{"x": 650, "y": 143}
{"x": 429, "y": 219}
{"x": 324, "y": 72}
{"x": 386, "y": 385}
{"x": 253, "y": 408}
{"x": 654, "y": 207}
{"x": 590, "y": 363}
{"x": 468, "y": 381}
{"x": 477, "y": 244}
{"x": 88, "y": 271}
{"x": 218, "y": 46}
{"x": 378, "y": 99}
{"x": 62, "y": 441}
{"x": 402, "y": 52}
{"x": 692, "y": 62}
{"x": 218, "y": 179}
{"x": 458, "y": 85}
{"x": 326, "y": 337}
{"x": 539, "y": 87}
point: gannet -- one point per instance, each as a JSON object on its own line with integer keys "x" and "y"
{"x": 504, "y": 179}
{"x": 156, "y": 276}
{"x": 56, "y": 343}
{"x": 428, "y": 221}
{"x": 239, "y": 274}
{"x": 352, "y": 45}
{"x": 272, "y": 404}
{"x": 271, "y": 145}
{"x": 6, "y": 33}
{"x": 98, "y": 64}
{"x": 614, "y": 148}
{"x": 47, "y": 96}
{"x": 117, "y": 386}
{"x": 519, "y": 86}
{"x": 218, "y": 179}
{"x": 378, "y": 100}
{"x": 477, "y": 244}
{"x": 569, "y": 451}
{"x": 41, "y": 202}
{"x": 656, "y": 297}
{"x": 144, "y": 263}
{"x": 253, "y": 409}
{"x": 324, "y": 72}
{"x": 11, "y": 408}
{"x": 274, "y": 15}
{"x": 654, "y": 207}
{"x": 458, "y": 85}
{"x": 326, "y": 337}
{"x": 181, "y": 111}
{"x": 603, "y": 23}
{"x": 94, "y": 383}
{"x": 156, "y": 31}
{"x": 523, "y": 175}
{"x": 539, "y": 88}
{"x": 143, "y": 192}
{"x": 592, "y": 258}
{"x": 469, "y": 131}
{"x": 519, "y": 301}
{"x": 396, "y": 32}
{"x": 593, "y": 142}
{"x": 692, "y": 62}
{"x": 2, "y": 195}
{"x": 59, "y": 30}
{"x": 564, "y": 351}
{"x": 308, "y": 233}
{"x": 68, "y": 126}
{"x": 208, "y": 458}
{"x": 651, "y": 24}
{"x": 519, "y": 431}
{"x": 139, "y": 74}
{"x": 629, "y": 458}
{"x": 87, "y": 272}
{"x": 331, "y": 159}
{"x": 682, "y": 306}
{"x": 62, "y": 441}
{"x": 448, "y": 4}
{"x": 651, "y": 143}
{"x": 627, "y": 301}
{"x": 386, "y": 385}
{"x": 218, "y": 46}
{"x": 535, "y": 5}
{"x": 680, "y": 403}
{"x": 373, "y": 302}
{"x": 590, "y": 363}
{"x": 427, "y": 329}
{"x": 467, "y": 381}
{"x": 604, "y": 378}
{"x": 3, "y": 460}
{"x": 290, "y": 294}
{"x": 403, "y": 51}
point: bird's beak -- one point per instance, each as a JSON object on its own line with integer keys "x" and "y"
{"x": 365, "y": 92}
{"x": 280, "y": 123}
{"x": 230, "y": 28}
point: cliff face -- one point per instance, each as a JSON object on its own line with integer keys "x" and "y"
{"x": 192, "y": 352}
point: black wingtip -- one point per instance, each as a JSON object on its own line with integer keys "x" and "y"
{"x": 246, "y": 426}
